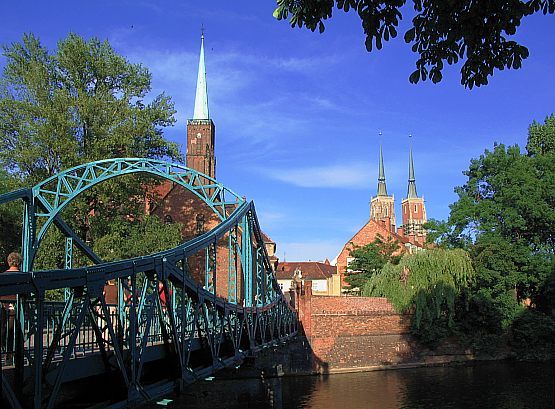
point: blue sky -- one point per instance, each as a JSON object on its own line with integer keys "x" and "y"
{"x": 297, "y": 113}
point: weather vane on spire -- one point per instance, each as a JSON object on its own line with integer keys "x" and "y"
{"x": 202, "y": 31}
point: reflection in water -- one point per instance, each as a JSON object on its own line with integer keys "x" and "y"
{"x": 508, "y": 385}
{"x": 482, "y": 385}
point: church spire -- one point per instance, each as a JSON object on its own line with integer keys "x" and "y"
{"x": 382, "y": 188}
{"x": 411, "y": 192}
{"x": 201, "y": 98}
{"x": 201, "y": 132}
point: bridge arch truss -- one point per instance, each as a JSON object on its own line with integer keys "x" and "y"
{"x": 162, "y": 313}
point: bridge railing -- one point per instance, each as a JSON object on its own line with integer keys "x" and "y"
{"x": 162, "y": 310}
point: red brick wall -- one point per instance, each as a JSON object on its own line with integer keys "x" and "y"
{"x": 184, "y": 206}
{"x": 366, "y": 235}
{"x": 351, "y": 305}
{"x": 201, "y": 145}
{"x": 355, "y": 332}
{"x": 414, "y": 212}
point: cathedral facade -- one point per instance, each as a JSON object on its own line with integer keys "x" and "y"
{"x": 410, "y": 236}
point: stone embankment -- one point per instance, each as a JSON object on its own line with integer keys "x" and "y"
{"x": 346, "y": 334}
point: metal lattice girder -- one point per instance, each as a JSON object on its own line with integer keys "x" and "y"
{"x": 260, "y": 277}
{"x": 210, "y": 267}
{"x": 68, "y": 261}
{"x": 70, "y": 234}
{"x": 56, "y": 192}
{"x": 246, "y": 261}
{"x": 232, "y": 266}
{"x": 194, "y": 325}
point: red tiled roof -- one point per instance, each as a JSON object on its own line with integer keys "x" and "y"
{"x": 162, "y": 189}
{"x": 160, "y": 192}
{"x": 311, "y": 270}
{"x": 266, "y": 238}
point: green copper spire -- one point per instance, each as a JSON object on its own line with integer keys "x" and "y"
{"x": 411, "y": 193}
{"x": 382, "y": 188}
{"x": 201, "y": 98}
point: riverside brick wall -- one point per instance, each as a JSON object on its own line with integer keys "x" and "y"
{"x": 346, "y": 333}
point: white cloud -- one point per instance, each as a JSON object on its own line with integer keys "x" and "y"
{"x": 315, "y": 250}
{"x": 269, "y": 218}
{"x": 352, "y": 175}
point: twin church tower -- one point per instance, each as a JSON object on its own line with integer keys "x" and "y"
{"x": 180, "y": 206}
{"x": 382, "y": 207}
{"x": 201, "y": 133}
{"x": 411, "y": 234}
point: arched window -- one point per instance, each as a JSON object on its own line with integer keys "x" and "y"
{"x": 200, "y": 224}
{"x": 168, "y": 219}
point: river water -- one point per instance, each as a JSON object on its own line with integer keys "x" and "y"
{"x": 479, "y": 385}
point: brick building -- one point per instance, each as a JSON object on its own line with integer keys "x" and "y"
{"x": 411, "y": 235}
{"x": 176, "y": 204}
{"x": 322, "y": 276}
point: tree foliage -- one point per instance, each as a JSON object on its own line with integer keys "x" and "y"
{"x": 475, "y": 33}
{"x": 138, "y": 238}
{"x": 440, "y": 233}
{"x": 368, "y": 260}
{"x": 508, "y": 206}
{"x": 81, "y": 103}
{"x": 541, "y": 137}
{"x": 532, "y": 335}
{"x": 428, "y": 282}
{"x": 401, "y": 282}
{"x": 505, "y": 215}
{"x": 10, "y": 220}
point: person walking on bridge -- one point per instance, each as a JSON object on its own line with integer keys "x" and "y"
{"x": 8, "y": 312}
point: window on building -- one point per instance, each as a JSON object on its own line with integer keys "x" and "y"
{"x": 415, "y": 209}
{"x": 200, "y": 224}
{"x": 319, "y": 285}
{"x": 349, "y": 261}
{"x": 168, "y": 219}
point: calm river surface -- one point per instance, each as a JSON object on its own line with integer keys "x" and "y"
{"x": 480, "y": 385}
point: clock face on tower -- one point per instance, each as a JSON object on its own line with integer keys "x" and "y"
{"x": 199, "y": 135}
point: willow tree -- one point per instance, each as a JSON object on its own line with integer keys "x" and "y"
{"x": 426, "y": 283}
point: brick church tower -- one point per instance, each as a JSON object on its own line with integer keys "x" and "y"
{"x": 414, "y": 211}
{"x": 200, "y": 129}
{"x": 176, "y": 204}
{"x": 382, "y": 207}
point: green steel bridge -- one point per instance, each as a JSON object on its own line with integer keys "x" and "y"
{"x": 162, "y": 316}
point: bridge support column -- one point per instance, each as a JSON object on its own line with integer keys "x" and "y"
{"x": 39, "y": 327}
{"x": 246, "y": 256}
